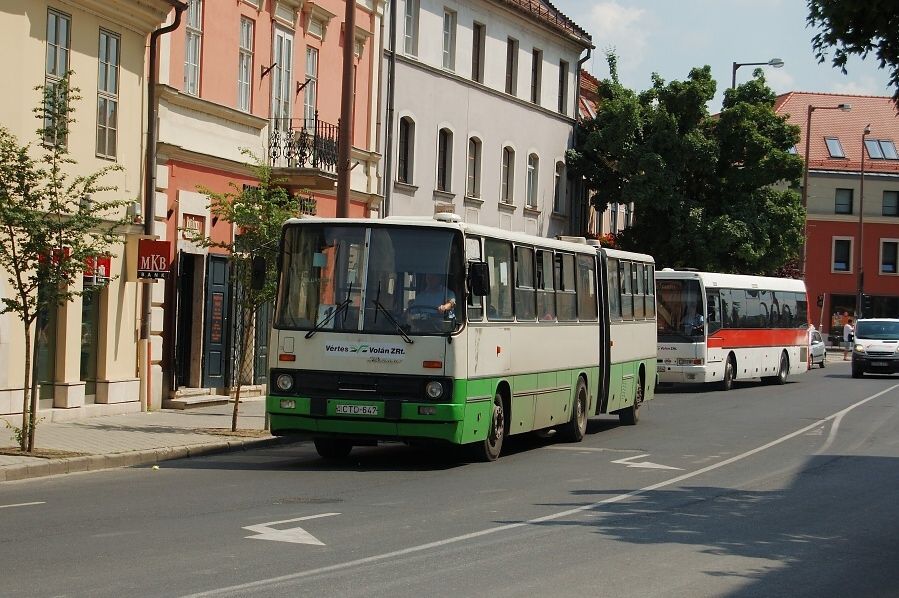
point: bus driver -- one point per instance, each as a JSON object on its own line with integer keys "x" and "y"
{"x": 434, "y": 296}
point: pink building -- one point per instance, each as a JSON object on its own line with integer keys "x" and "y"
{"x": 263, "y": 76}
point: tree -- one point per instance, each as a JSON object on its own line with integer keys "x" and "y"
{"x": 708, "y": 192}
{"x": 857, "y": 28}
{"x": 257, "y": 214}
{"x": 51, "y": 228}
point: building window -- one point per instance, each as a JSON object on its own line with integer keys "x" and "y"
{"x": 245, "y": 65}
{"x": 881, "y": 149}
{"x": 193, "y": 46}
{"x": 627, "y": 215}
{"x": 834, "y": 147}
{"x": 888, "y": 257}
{"x": 512, "y": 66}
{"x": 874, "y": 151}
{"x": 107, "y": 94}
{"x": 478, "y": 33}
{"x": 563, "y": 87}
{"x": 410, "y": 40}
{"x": 559, "y": 189}
{"x": 310, "y": 97}
{"x": 282, "y": 78}
{"x": 59, "y": 43}
{"x": 508, "y": 174}
{"x": 473, "y": 184}
{"x": 613, "y": 218}
{"x": 842, "y": 255}
{"x": 889, "y": 149}
{"x": 449, "y": 40}
{"x": 444, "y": 159}
{"x": 536, "y": 75}
{"x": 532, "y": 180}
{"x": 843, "y": 201}
{"x": 890, "y": 203}
{"x": 406, "y": 148}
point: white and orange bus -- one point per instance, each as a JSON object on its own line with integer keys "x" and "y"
{"x": 719, "y": 328}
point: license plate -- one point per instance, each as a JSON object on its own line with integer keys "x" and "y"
{"x": 357, "y": 409}
{"x": 879, "y": 364}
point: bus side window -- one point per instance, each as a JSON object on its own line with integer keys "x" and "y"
{"x": 713, "y": 309}
{"x": 499, "y": 260}
{"x": 525, "y": 300}
{"x": 650, "y": 292}
{"x": 473, "y": 254}
{"x": 800, "y": 317}
{"x": 614, "y": 290}
{"x": 737, "y": 302}
{"x": 639, "y": 290}
{"x": 566, "y": 299}
{"x": 627, "y": 297}
{"x": 586, "y": 288}
{"x": 546, "y": 297}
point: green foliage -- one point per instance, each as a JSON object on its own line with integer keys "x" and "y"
{"x": 857, "y": 28}
{"x": 708, "y": 192}
{"x": 51, "y": 223}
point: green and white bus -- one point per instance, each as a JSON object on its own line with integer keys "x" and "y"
{"x": 412, "y": 328}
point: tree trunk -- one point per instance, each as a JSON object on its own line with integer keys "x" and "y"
{"x": 23, "y": 438}
{"x": 245, "y": 318}
{"x": 32, "y": 415}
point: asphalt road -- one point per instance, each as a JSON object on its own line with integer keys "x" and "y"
{"x": 762, "y": 491}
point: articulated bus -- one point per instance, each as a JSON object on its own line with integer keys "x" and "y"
{"x": 723, "y": 327}
{"x": 431, "y": 329}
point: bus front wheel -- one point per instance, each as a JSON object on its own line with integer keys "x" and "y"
{"x": 490, "y": 448}
{"x": 728, "y": 382}
{"x": 333, "y": 448}
{"x": 576, "y": 427}
{"x": 631, "y": 415}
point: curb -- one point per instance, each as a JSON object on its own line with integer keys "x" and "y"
{"x": 49, "y": 467}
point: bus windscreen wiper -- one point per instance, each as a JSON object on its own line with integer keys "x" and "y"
{"x": 399, "y": 328}
{"x": 321, "y": 324}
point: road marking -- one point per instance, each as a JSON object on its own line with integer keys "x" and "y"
{"x": 241, "y": 589}
{"x": 294, "y": 535}
{"x": 22, "y": 504}
{"x": 592, "y": 449}
{"x": 643, "y": 464}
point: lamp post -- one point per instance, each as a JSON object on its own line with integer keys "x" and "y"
{"x": 775, "y": 62}
{"x": 861, "y": 229}
{"x": 808, "y": 137}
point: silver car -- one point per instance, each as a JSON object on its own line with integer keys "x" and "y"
{"x": 817, "y": 349}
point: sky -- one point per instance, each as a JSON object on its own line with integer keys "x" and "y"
{"x": 670, "y": 37}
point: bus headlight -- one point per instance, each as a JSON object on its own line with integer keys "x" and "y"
{"x": 434, "y": 389}
{"x": 859, "y": 348}
{"x": 284, "y": 382}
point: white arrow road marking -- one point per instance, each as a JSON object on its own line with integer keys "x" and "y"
{"x": 643, "y": 464}
{"x": 22, "y": 504}
{"x": 295, "y": 535}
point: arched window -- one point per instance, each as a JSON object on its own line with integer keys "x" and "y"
{"x": 444, "y": 159}
{"x": 473, "y": 184}
{"x": 508, "y": 174}
{"x": 406, "y": 150}
{"x": 559, "y": 189}
{"x": 533, "y": 172}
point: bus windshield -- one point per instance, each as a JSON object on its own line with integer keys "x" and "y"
{"x": 880, "y": 331}
{"x": 405, "y": 281}
{"x": 680, "y": 311}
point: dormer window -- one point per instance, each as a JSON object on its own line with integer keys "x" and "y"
{"x": 881, "y": 149}
{"x": 834, "y": 147}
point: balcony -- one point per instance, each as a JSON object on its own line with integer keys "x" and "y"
{"x": 303, "y": 152}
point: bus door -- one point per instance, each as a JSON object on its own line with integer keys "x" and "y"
{"x": 603, "y": 280}
{"x": 715, "y": 353}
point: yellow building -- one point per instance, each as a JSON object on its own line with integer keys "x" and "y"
{"x": 87, "y": 362}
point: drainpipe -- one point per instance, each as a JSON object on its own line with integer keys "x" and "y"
{"x": 144, "y": 349}
{"x": 585, "y": 210}
{"x": 391, "y": 92}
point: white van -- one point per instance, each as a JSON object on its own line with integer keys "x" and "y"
{"x": 876, "y": 347}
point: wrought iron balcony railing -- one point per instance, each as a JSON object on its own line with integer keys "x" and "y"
{"x": 303, "y": 143}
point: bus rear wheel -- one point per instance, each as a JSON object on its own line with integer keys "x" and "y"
{"x": 333, "y": 448}
{"x": 490, "y": 448}
{"x": 631, "y": 415}
{"x": 576, "y": 427}
{"x": 782, "y": 371}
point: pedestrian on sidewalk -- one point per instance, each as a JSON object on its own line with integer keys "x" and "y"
{"x": 848, "y": 337}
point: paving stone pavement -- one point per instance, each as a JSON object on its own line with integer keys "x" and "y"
{"x": 134, "y": 439}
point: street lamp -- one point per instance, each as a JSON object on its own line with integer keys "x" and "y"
{"x": 861, "y": 230}
{"x": 808, "y": 137}
{"x": 775, "y": 62}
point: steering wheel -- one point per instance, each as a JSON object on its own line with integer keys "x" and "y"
{"x": 424, "y": 312}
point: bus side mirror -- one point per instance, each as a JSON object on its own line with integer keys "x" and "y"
{"x": 257, "y": 273}
{"x": 479, "y": 278}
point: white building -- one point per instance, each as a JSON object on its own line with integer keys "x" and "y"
{"x": 484, "y": 110}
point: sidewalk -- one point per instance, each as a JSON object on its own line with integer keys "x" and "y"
{"x": 136, "y": 439}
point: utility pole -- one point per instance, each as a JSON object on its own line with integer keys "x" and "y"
{"x": 345, "y": 133}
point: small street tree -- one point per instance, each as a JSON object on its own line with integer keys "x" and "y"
{"x": 708, "y": 192}
{"x": 51, "y": 228}
{"x": 256, "y": 214}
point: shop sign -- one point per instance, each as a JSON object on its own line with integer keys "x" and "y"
{"x": 193, "y": 227}
{"x": 152, "y": 259}
{"x": 97, "y": 270}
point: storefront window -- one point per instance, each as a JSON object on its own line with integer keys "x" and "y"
{"x": 45, "y": 339}
{"x": 90, "y": 328}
